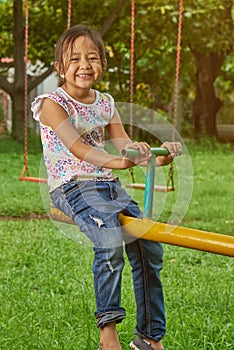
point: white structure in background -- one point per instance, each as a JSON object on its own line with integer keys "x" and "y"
{"x": 48, "y": 85}
{"x": 10, "y": 78}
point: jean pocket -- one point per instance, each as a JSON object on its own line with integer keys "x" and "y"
{"x": 69, "y": 187}
{"x": 72, "y": 187}
{"x": 55, "y": 194}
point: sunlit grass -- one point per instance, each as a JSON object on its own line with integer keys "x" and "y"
{"x": 47, "y": 300}
{"x": 46, "y": 283}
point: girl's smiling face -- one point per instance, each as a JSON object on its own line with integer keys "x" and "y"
{"x": 83, "y": 66}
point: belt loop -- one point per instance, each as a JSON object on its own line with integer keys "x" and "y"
{"x": 113, "y": 192}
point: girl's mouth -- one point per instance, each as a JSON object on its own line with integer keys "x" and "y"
{"x": 84, "y": 76}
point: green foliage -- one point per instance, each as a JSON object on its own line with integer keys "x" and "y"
{"x": 210, "y": 23}
{"x": 6, "y": 29}
{"x": 225, "y": 83}
{"x": 206, "y": 28}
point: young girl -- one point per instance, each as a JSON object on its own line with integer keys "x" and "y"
{"x": 72, "y": 123}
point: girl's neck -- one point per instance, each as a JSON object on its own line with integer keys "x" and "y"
{"x": 84, "y": 96}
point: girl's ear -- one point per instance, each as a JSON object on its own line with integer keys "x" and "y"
{"x": 56, "y": 66}
{"x": 60, "y": 74}
{"x": 104, "y": 63}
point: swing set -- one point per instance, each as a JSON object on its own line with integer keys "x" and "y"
{"x": 144, "y": 228}
{"x": 25, "y": 176}
{"x": 170, "y": 181}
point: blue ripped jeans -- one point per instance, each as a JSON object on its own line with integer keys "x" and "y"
{"x": 94, "y": 206}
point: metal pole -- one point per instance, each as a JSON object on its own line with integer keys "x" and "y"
{"x": 149, "y": 188}
{"x": 150, "y": 176}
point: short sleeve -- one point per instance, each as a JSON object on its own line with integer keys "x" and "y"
{"x": 36, "y": 106}
{"x": 109, "y": 98}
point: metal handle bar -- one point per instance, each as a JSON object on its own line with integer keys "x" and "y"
{"x": 157, "y": 151}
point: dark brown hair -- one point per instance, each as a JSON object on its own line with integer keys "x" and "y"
{"x": 67, "y": 39}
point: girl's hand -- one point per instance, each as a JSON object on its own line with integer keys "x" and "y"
{"x": 144, "y": 150}
{"x": 174, "y": 149}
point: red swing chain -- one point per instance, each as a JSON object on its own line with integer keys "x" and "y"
{"x": 132, "y": 57}
{"x": 176, "y": 89}
{"x": 25, "y": 167}
{"x": 132, "y": 54}
{"x": 69, "y": 13}
{"x": 3, "y": 125}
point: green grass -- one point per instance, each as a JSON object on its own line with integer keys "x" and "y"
{"x": 20, "y": 197}
{"x": 46, "y": 286}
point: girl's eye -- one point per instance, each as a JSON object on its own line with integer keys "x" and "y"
{"x": 93, "y": 58}
{"x": 74, "y": 59}
{"x": 90, "y": 59}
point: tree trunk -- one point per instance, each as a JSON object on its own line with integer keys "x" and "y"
{"x": 197, "y": 113}
{"x": 17, "y": 88}
{"x": 111, "y": 19}
{"x": 17, "y": 93}
{"x": 206, "y": 104}
{"x": 18, "y": 121}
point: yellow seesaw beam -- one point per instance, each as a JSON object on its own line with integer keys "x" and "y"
{"x": 179, "y": 236}
{"x": 164, "y": 233}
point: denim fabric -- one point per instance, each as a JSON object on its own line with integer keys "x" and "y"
{"x": 94, "y": 206}
{"x": 146, "y": 261}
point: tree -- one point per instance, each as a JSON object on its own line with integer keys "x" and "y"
{"x": 211, "y": 25}
{"x": 207, "y": 39}
{"x": 16, "y": 88}
{"x": 41, "y": 47}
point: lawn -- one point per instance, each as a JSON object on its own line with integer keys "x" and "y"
{"x": 46, "y": 287}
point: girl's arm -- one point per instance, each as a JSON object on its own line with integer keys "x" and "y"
{"x": 56, "y": 117}
{"x": 121, "y": 140}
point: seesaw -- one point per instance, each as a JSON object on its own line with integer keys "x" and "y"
{"x": 148, "y": 229}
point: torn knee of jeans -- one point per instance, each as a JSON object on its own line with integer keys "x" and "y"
{"x": 97, "y": 221}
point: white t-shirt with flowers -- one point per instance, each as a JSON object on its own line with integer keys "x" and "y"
{"x": 89, "y": 120}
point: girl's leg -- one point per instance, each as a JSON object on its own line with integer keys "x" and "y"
{"x": 91, "y": 207}
{"x": 107, "y": 269}
{"x": 109, "y": 338}
{"x": 146, "y": 260}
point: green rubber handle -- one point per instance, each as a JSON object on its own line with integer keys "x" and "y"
{"x": 157, "y": 151}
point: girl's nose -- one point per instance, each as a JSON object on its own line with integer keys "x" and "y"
{"x": 84, "y": 63}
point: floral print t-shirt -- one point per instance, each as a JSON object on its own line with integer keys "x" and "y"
{"x": 89, "y": 120}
